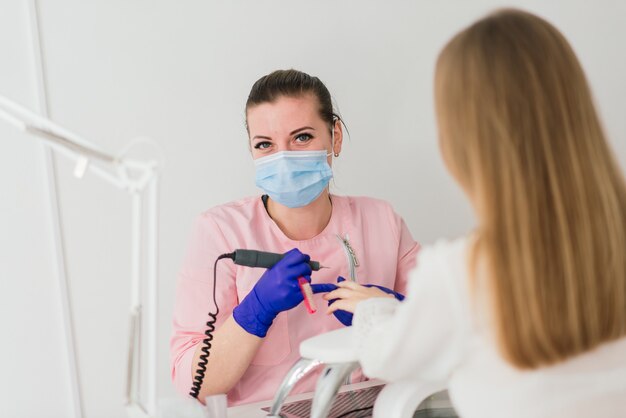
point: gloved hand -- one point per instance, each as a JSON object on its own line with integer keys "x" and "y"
{"x": 346, "y": 317}
{"x": 277, "y": 290}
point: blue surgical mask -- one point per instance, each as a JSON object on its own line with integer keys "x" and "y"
{"x": 293, "y": 178}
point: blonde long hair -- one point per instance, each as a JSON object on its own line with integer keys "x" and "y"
{"x": 519, "y": 131}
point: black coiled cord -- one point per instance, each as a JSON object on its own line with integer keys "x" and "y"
{"x": 204, "y": 358}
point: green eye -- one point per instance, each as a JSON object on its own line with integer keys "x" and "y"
{"x": 304, "y": 137}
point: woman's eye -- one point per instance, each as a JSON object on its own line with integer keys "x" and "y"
{"x": 262, "y": 145}
{"x": 303, "y": 137}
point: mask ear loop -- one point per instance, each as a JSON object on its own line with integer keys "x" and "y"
{"x": 332, "y": 152}
{"x": 332, "y": 140}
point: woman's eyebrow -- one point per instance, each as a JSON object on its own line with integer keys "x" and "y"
{"x": 301, "y": 129}
{"x": 291, "y": 133}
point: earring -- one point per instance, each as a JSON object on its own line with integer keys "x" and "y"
{"x": 336, "y": 154}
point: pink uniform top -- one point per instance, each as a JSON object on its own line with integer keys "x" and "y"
{"x": 364, "y": 235}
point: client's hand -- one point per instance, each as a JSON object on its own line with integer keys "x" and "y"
{"x": 343, "y": 300}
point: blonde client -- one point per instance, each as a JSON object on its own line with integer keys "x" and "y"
{"x": 527, "y": 316}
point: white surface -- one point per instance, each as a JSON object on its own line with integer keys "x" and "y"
{"x": 330, "y": 347}
{"x": 401, "y": 399}
{"x": 180, "y": 73}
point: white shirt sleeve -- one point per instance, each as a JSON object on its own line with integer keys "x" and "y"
{"x": 425, "y": 336}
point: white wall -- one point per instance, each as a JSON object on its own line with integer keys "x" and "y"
{"x": 180, "y": 72}
{"x": 32, "y": 350}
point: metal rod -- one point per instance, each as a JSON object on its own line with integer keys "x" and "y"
{"x": 152, "y": 292}
{"x": 130, "y": 360}
{"x": 15, "y": 121}
{"x": 55, "y": 217}
{"x": 44, "y": 124}
{"x": 24, "y": 119}
{"x": 78, "y": 148}
{"x": 135, "y": 287}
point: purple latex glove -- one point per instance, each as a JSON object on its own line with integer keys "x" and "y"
{"x": 345, "y": 317}
{"x": 276, "y": 291}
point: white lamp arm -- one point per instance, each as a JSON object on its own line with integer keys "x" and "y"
{"x": 134, "y": 177}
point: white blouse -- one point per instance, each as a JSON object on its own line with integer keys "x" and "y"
{"x": 435, "y": 335}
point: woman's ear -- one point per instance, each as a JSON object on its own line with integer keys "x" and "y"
{"x": 338, "y": 137}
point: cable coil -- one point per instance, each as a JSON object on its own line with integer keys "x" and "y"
{"x": 206, "y": 347}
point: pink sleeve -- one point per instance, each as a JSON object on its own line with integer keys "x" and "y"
{"x": 407, "y": 255}
{"x": 194, "y": 297}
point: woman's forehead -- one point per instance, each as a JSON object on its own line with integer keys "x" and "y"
{"x": 285, "y": 113}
